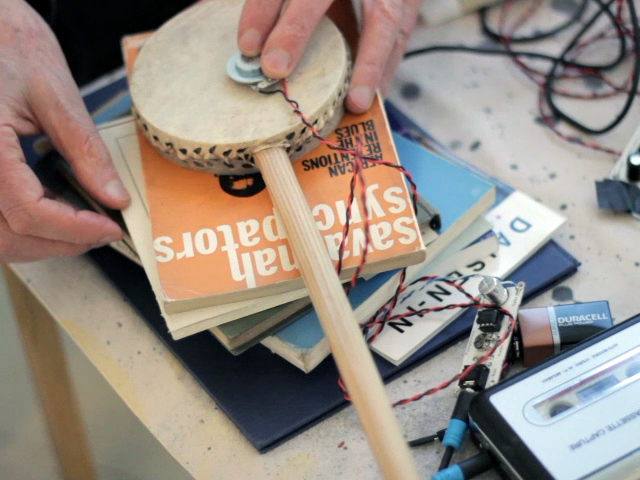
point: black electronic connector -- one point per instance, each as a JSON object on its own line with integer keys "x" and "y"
{"x": 461, "y": 408}
{"x": 476, "y": 380}
{"x": 446, "y": 458}
{"x": 439, "y": 435}
{"x": 466, "y": 469}
{"x": 489, "y": 320}
{"x": 457, "y": 428}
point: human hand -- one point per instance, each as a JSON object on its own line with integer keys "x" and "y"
{"x": 38, "y": 94}
{"x": 282, "y": 36}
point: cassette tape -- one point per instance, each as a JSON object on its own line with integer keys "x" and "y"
{"x": 575, "y": 416}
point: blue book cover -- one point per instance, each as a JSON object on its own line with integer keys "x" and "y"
{"x": 403, "y": 126}
{"x": 452, "y": 189}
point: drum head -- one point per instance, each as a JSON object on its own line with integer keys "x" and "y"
{"x": 197, "y": 116}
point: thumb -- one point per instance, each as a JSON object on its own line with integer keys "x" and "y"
{"x": 57, "y": 104}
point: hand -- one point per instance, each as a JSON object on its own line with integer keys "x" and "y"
{"x": 282, "y": 36}
{"x": 38, "y": 94}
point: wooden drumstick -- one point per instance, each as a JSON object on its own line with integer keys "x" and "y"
{"x": 197, "y": 116}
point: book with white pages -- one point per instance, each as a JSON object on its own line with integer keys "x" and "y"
{"x": 522, "y": 225}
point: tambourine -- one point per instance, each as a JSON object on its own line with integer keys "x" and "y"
{"x": 196, "y": 115}
{"x": 192, "y": 111}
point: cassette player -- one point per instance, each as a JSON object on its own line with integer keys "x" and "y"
{"x": 574, "y": 416}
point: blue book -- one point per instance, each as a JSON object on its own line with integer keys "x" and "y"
{"x": 403, "y": 126}
{"x": 460, "y": 196}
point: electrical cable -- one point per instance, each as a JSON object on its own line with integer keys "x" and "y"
{"x": 539, "y": 35}
{"x": 446, "y": 458}
{"x": 506, "y": 53}
{"x": 426, "y": 439}
{"x": 500, "y": 39}
{"x": 466, "y": 469}
{"x": 551, "y": 76}
{"x": 547, "y": 86}
{"x": 587, "y": 66}
{"x": 457, "y": 428}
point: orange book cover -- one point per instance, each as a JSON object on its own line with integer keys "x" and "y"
{"x": 219, "y": 239}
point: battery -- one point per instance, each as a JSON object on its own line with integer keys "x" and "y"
{"x": 545, "y": 331}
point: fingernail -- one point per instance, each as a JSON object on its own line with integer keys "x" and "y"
{"x": 361, "y": 97}
{"x": 276, "y": 63}
{"x": 115, "y": 189}
{"x": 250, "y": 42}
{"x": 105, "y": 241}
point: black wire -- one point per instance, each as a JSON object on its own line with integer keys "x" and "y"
{"x": 481, "y": 51}
{"x": 446, "y": 458}
{"x": 562, "y": 60}
{"x": 551, "y": 76}
{"x": 496, "y": 36}
{"x": 423, "y": 440}
{"x": 510, "y": 53}
{"x": 536, "y": 55}
{"x": 476, "y": 465}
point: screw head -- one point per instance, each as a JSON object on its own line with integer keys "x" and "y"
{"x": 245, "y": 70}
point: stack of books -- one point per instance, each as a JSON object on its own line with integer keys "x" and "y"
{"x": 219, "y": 262}
{"x": 214, "y": 254}
{"x": 189, "y": 233}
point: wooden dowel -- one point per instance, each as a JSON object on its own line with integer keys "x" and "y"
{"x": 349, "y": 349}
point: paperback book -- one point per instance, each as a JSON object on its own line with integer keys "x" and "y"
{"x": 121, "y": 138}
{"x": 219, "y": 240}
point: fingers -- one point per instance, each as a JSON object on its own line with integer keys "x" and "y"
{"x": 407, "y": 24}
{"x": 380, "y": 27}
{"x": 27, "y": 212}
{"x": 58, "y": 107}
{"x": 256, "y": 22}
{"x": 37, "y": 93}
{"x": 25, "y": 248}
{"x": 280, "y": 36}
